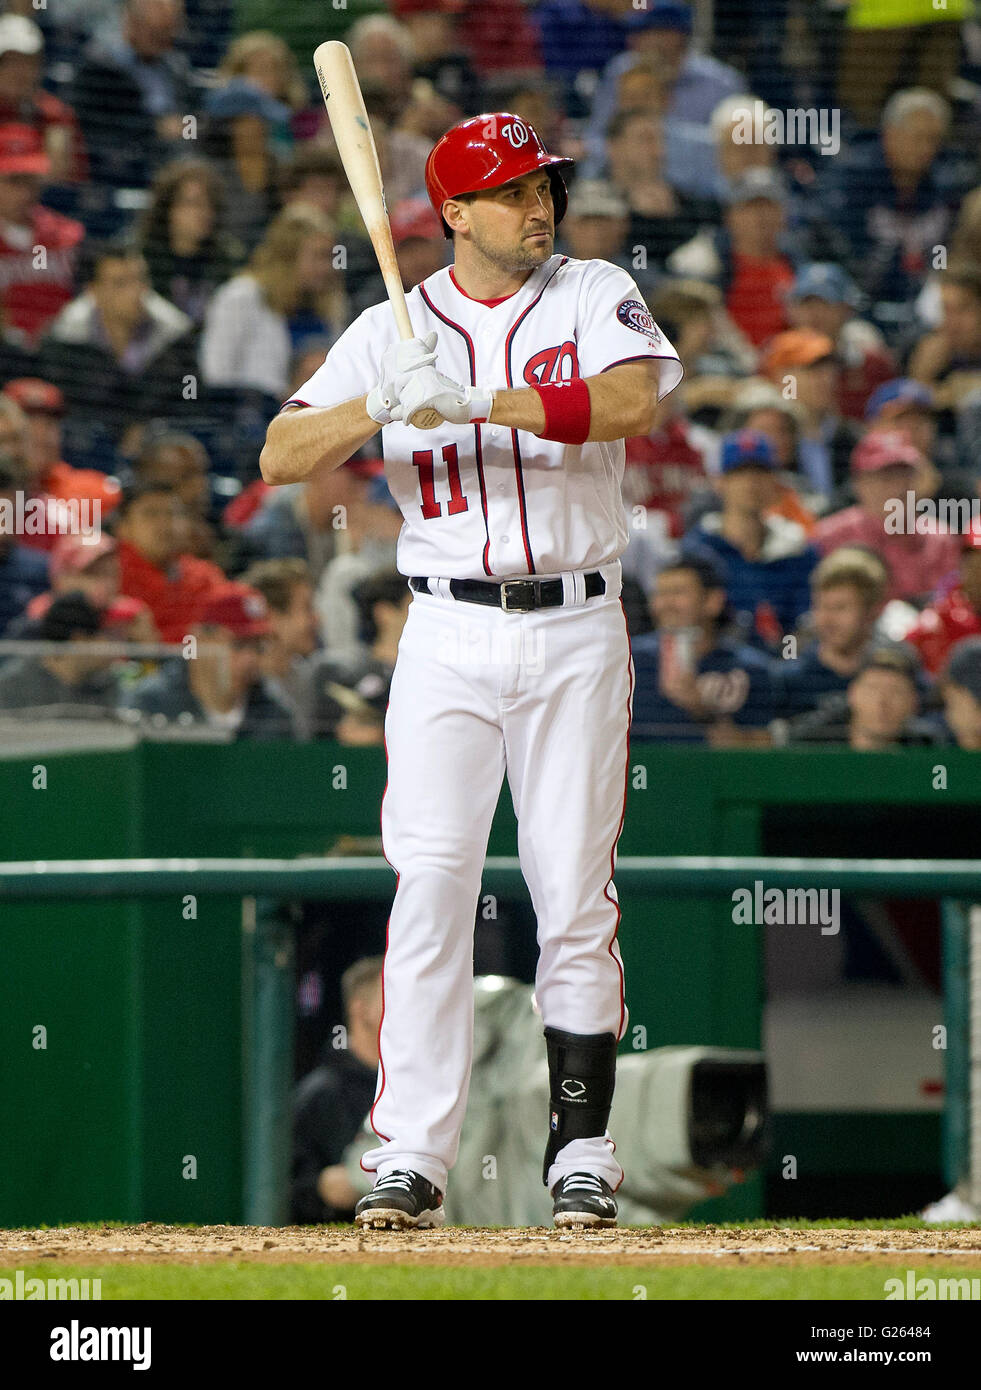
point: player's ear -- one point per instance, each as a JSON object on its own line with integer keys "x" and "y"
{"x": 456, "y": 215}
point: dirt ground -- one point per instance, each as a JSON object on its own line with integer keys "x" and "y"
{"x": 458, "y": 1245}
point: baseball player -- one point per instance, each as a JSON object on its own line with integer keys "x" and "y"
{"x": 514, "y": 658}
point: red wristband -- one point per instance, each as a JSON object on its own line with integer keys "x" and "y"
{"x": 567, "y": 411}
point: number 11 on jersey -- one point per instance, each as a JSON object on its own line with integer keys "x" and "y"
{"x": 423, "y": 460}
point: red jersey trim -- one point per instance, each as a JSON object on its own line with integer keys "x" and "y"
{"x": 490, "y": 303}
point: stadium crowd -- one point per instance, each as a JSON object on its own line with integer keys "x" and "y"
{"x": 179, "y": 248}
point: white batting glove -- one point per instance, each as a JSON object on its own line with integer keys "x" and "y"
{"x": 428, "y": 389}
{"x": 398, "y": 362}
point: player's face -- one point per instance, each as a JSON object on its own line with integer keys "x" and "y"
{"x": 514, "y": 226}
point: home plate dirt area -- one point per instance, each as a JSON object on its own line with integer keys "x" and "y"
{"x": 149, "y": 1243}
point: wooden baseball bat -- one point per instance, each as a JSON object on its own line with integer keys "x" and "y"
{"x": 356, "y": 147}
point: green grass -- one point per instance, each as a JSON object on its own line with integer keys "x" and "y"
{"x": 242, "y": 1280}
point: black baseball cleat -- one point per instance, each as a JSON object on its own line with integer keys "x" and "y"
{"x": 583, "y": 1199}
{"x": 399, "y": 1200}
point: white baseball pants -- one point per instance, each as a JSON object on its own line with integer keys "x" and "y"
{"x": 477, "y": 692}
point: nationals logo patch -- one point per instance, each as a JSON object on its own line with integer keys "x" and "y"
{"x": 637, "y": 316}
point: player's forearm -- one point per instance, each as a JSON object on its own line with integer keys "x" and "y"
{"x": 617, "y": 410}
{"x": 298, "y": 440}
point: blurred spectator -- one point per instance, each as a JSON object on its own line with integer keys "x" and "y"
{"x": 350, "y": 692}
{"x": 891, "y": 205}
{"x": 23, "y": 572}
{"x": 315, "y": 177}
{"x": 692, "y": 681}
{"x": 402, "y": 153}
{"x": 429, "y": 114}
{"x": 78, "y": 565}
{"x": 383, "y": 56}
{"x": 49, "y": 476}
{"x": 179, "y": 461}
{"x": 765, "y": 559}
{"x": 119, "y": 351}
{"x": 735, "y": 155}
{"x": 748, "y": 258}
{"x": 262, "y": 59}
{"x": 291, "y": 287}
{"x": 665, "y": 471}
{"x": 886, "y": 43}
{"x": 848, "y": 591}
{"x": 904, "y": 404}
{"x": 239, "y": 139}
{"x": 957, "y": 614}
{"x": 596, "y": 223}
{"x": 908, "y": 405}
{"x": 331, "y": 1102}
{"x": 694, "y": 82}
{"x": 136, "y": 82}
{"x": 38, "y": 247}
{"x": 420, "y": 250}
{"x": 287, "y": 587}
{"x": 760, "y": 407}
{"x": 580, "y": 35}
{"x": 661, "y": 218}
{"x": 364, "y": 546}
{"x": 885, "y": 471}
{"x": 68, "y": 684}
{"x": 961, "y": 686}
{"x": 713, "y": 352}
{"x": 879, "y": 710}
{"x": 824, "y": 300}
{"x": 150, "y": 526}
{"x": 502, "y": 36}
{"x": 222, "y": 684}
{"x": 803, "y": 364}
{"x": 188, "y": 253}
{"x": 23, "y": 100}
{"x": 437, "y": 53}
{"x": 949, "y": 359}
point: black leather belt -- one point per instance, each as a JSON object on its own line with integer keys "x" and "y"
{"x": 514, "y": 595}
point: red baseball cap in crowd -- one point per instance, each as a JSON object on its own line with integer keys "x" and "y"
{"x": 73, "y": 554}
{"x": 883, "y": 449}
{"x": 36, "y": 396}
{"x": 240, "y": 609}
{"x": 414, "y": 217}
{"x": 22, "y": 150}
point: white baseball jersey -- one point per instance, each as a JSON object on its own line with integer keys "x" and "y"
{"x": 487, "y": 501}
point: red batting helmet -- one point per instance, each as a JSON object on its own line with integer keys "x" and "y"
{"x": 485, "y": 152}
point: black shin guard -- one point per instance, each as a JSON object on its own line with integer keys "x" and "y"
{"x": 581, "y": 1072}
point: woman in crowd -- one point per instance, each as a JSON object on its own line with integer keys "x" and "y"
{"x": 187, "y": 251}
{"x": 289, "y": 291}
